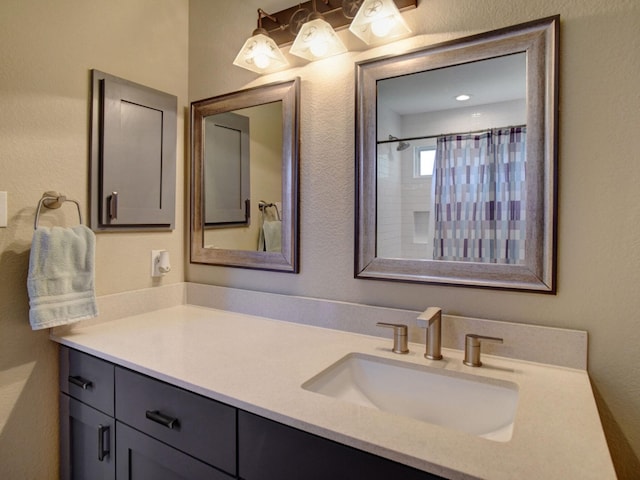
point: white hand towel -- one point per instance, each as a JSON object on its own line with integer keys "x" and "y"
{"x": 61, "y": 276}
{"x": 272, "y": 235}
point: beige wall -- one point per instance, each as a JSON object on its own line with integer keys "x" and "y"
{"x": 599, "y": 222}
{"x": 46, "y": 51}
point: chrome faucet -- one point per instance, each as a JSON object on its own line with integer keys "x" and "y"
{"x": 431, "y": 320}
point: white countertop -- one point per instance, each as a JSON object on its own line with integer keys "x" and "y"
{"x": 259, "y": 364}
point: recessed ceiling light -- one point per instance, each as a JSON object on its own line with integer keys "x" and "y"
{"x": 463, "y": 97}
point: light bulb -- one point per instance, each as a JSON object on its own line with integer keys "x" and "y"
{"x": 260, "y": 53}
{"x": 382, "y": 26}
{"x": 261, "y": 57}
{"x": 378, "y": 20}
{"x": 319, "y": 47}
{"x": 316, "y": 40}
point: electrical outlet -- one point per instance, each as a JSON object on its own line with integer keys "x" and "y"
{"x": 160, "y": 263}
{"x": 155, "y": 258}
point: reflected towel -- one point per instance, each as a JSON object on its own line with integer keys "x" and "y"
{"x": 272, "y": 235}
{"x": 61, "y": 276}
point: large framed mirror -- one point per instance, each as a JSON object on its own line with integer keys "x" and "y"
{"x": 244, "y": 178}
{"x": 456, "y": 159}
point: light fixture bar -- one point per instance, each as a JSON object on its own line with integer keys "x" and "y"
{"x": 332, "y": 12}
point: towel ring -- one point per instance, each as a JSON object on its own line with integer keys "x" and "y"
{"x": 53, "y": 200}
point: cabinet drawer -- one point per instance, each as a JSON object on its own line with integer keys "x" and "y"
{"x": 141, "y": 458}
{"x": 199, "y": 426}
{"x": 87, "y": 379}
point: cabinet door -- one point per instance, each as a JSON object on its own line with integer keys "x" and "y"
{"x": 271, "y": 451}
{"x": 141, "y": 457}
{"x": 86, "y": 442}
{"x": 133, "y": 152}
{"x": 227, "y": 188}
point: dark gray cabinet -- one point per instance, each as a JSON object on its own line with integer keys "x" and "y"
{"x": 87, "y": 448}
{"x": 198, "y": 426}
{"x": 116, "y": 423}
{"x": 141, "y": 457}
{"x": 268, "y": 450}
{"x": 87, "y": 426}
{"x": 120, "y": 424}
{"x": 133, "y": 155}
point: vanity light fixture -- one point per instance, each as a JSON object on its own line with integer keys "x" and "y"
{"x": 378, "y": 20}
{"x": 260, "y": 53}
{"x": 310, "y": 29}
{"x": 317, "y": 39}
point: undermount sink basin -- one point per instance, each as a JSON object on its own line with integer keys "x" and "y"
{"x": 481, "y": 406}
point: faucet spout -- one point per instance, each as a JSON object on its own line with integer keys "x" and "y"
{"x": 431, "y": 320}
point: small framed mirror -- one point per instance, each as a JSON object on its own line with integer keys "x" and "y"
{"x": 456, "y": 159}
{"x": 244, "y": 178}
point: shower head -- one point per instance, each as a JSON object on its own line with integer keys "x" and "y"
{"x": 402, "y": 145}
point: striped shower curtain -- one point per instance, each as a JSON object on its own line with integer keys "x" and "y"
{"x": 479, "y": 197}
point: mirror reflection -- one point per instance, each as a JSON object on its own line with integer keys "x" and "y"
{"x": 456, "y": 153}
{"x": 243, "y": 179}
{"x": 451, "y": 163}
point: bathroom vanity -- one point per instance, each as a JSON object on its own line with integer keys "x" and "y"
{"x": 195, "y": 392}
{"x": 157, "y": 430}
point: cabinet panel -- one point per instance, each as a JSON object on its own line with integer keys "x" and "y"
{"x": 133, "y": 149}
{"x": 87, "y": 442}
{"x": 271, "y": 451}
{"x": 194, "y": 424}
{"x": 87, "y": 378}
{"x": 226, "y": 169}
{"x": 141, "y": 457}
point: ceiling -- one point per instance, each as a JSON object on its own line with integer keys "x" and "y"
{"x": 489, "y": 81}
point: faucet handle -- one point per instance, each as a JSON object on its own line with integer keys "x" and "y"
{"x": 399, "y": 336}
{"x": 472, "y": 348}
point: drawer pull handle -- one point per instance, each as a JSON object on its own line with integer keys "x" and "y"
{"x": 102, "y": 452}
{"x": 113, "y": 206}
{"x": 162, "y": 419}
{"x": 80, "y": 382}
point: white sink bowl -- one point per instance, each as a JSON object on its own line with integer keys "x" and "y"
{"x": 468, "y": 403}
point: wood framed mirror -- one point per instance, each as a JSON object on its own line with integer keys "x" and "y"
{"x": 244, "y": 178}
{"x": 456, "y": 162}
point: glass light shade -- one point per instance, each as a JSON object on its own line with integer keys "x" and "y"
{"x": 315, "y": 40}
{"x": 377, "y": 21}
{"x": 260, "y": 54}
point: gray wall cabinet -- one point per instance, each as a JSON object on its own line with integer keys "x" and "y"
{"x": 133, "y": 155}
{"x": 157, "y": 431}
{"x": 227, "y": 187}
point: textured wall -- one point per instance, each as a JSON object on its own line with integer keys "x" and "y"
{"x": 599, "y": 227}
{"x": 46, "y": 52}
